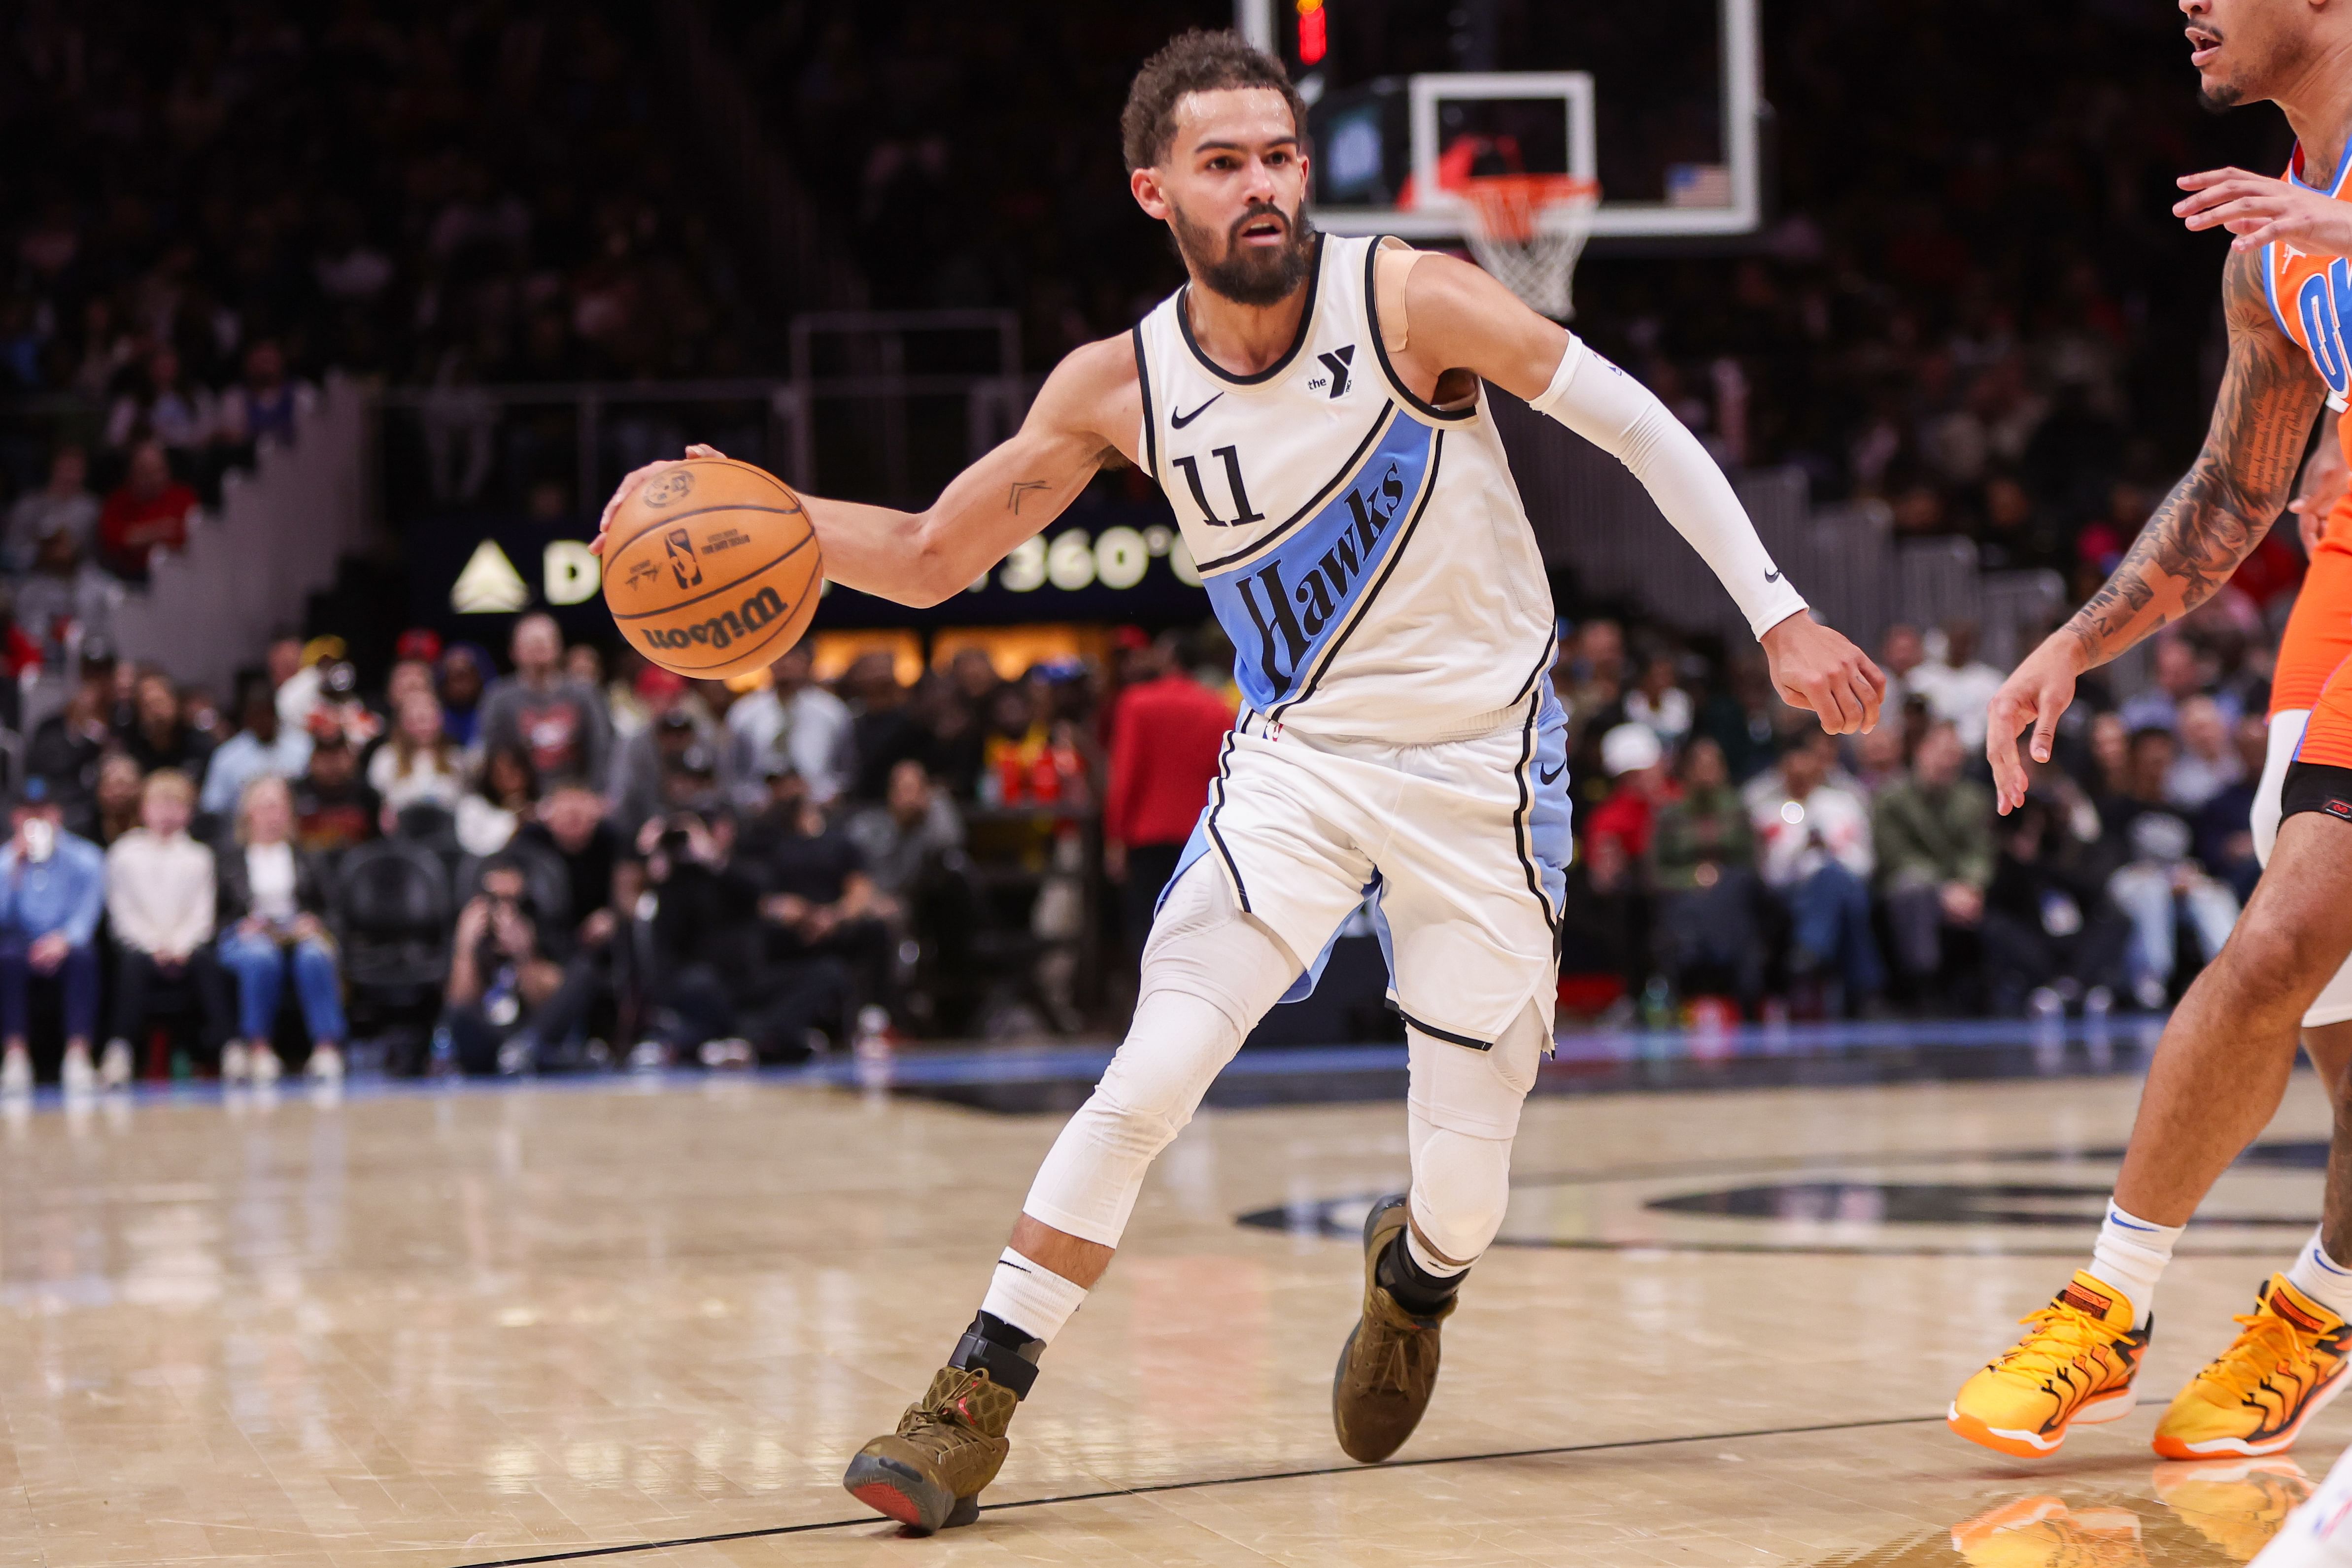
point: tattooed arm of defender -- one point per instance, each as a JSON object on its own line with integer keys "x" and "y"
{"x": 2212, "y": 522}
{"x": 1089, "y": 410}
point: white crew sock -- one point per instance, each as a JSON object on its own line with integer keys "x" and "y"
{"x": 2322, "y": 1279}
{"x": 2131, "y": 1256}
{"x": 1031, "y": 1296}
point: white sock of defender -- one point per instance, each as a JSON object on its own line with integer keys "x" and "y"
{"x": 2131, "y": 1256}
{"x": 1031, "y": 1296}
{"x": 2322, "y": 1279}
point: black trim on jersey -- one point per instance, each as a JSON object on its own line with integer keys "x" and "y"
{"x": 1550, "y": 655}
{"x": 1332, "y": 649}
{"x": 1283, "y": 530}
{"x": 1150, "y": 426}
{"x": 1306, "y": 329}
{"x": 1380, "y": 347}
{"x": 1448, "y": 1036}
{"x": 1232, "y": 867}
{"x": 1520, "y": 819}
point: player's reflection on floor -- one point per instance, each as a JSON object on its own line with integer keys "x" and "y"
{"x": 2202, "y": 1515}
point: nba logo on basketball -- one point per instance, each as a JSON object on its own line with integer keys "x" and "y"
{"x": 681, "y": 557}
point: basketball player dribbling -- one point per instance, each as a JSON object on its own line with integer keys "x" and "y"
{"x": 1314, "y": 408}
{"x": 2221, "y": 1067}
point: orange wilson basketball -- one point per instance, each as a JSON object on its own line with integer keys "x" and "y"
{"x": 711, "y": 569}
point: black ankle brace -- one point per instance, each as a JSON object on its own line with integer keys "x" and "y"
{"x": 1416, "y": 1290}
{"x": 995, "y": 1347}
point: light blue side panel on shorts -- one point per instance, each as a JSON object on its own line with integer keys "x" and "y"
{"x": 1545, "y": 834}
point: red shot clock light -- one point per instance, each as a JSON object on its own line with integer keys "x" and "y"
{"x": 1312, "y": 41}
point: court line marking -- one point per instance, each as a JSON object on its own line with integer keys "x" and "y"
{"x": 1156, "y": 1487}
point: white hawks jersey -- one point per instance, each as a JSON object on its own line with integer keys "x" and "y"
{"x": 1366, "y": 551}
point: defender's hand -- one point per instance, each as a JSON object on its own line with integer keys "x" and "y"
{"x": 629, "y": 488}
{"x": 2259, "y": 209}
{"x": 2037, "y": 692}
{"x": 1816, "y": 669}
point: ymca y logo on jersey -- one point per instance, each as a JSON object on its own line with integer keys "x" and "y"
{"x": 1289, "y": 605}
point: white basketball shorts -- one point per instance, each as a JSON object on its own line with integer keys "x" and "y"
{"x": 2335, "y": 1003}
{"x": 1461, "y": 847}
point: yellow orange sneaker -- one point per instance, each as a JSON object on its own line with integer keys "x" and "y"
{"x": 2286, "y": 1363}
{"x": 2076, "y": 1362}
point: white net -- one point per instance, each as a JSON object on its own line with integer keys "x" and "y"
{"x": 1529, "y": 231}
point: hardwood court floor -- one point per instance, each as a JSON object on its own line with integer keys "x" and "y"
{"x": 433, "y": 1329}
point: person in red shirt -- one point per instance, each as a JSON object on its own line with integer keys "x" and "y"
{"x": 1167, "y": 732}
{"x": 151, "y": 509}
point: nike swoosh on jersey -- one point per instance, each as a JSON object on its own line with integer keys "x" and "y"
{"x": 1180, "y": 420}
{"x": 1549, "y": 777}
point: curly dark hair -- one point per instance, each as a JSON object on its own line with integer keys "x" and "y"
{"x": 1196, "y": 60}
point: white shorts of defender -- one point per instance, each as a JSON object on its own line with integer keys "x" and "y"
{"x": 2333, "y": 1004}
{"x": 1461, "y": 848}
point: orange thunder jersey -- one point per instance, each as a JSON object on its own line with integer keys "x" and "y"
{"x": 2311, "y": 296}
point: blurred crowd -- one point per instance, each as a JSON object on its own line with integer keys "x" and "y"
{"x": 199, "y": 198}
{"x": 568, "y": 866}
{"x": 1735, "y": 858}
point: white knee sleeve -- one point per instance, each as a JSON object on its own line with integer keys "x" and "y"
{"x": 1463, "y": 1114}
{"x": 1209, "y": 972}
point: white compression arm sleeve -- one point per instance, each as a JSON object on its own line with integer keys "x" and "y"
{"x": 1625, "y": 419}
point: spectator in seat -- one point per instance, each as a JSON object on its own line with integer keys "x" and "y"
{"x": 711, "y": 986}
{"x": 261, "y": 746}
{"x": 418, "y": 762}
{"x": 465, "y": 675}
{"x": 797, "y": 719}
{"x": 500, "y": 802}
{"x": 334, "y": 809}
{"x": 1816, "y": 862}
{"x": 265, "y": 404}
{"x": 1658, "y": 700}
{"x": 2049, "y": 931}
{"x": 571, "y": 829}
{"x": 66, "y": 597}
{"x": 66, "y": 748}
{"x": 1959, "y": 687}
{"x": 2157, "y": 880}
{"x": 120, "y": 782}
{"x": 822, "y": 915}
{"x": 148, "y": 511}
{"x": 562, "y": 723}
{"x": 1900, "y": 652}
{"x": 1702, "y": 867}
{"x": 272, "y": 919}
{"x": 159, "y": 736}
{"x": 885, "y": 727}
{"x": 2179, "y": 675}
{"x": 52, "y": 890}
{"x": 161, "y": 901}
{"x": 63, "y": 506}
{"x": 169, "y": 409}
{"x": 643, "y": 759}
{"x": 1166, "y": 732}
{"x": 1933, "y": 836}
{"x": 2225, "y": 835}
{"x": 2208, "y": 763}
{"x": 510, "y": 997}
{"x": 911, "y": 832}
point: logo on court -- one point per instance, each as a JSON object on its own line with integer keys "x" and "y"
{"x": 680, "y": 545}
{"x": 668, "y": 488}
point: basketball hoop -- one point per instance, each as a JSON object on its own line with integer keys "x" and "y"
{"x": 1529, "y": 231}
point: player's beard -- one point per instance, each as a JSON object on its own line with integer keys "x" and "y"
{"x": 1247, "y": 274}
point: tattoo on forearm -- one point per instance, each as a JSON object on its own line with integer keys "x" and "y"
{"x": 1020, "y": 487}
{"x": 2220, "y": 509}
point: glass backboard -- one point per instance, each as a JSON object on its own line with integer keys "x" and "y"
{"x": 1658, "y": 101}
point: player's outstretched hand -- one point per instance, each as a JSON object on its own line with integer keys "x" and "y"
{"x": 629, "y": 488}
{"x": 1817, "y": 669}
{"x": 2259, "y": 209}
{"x": 2036, "y": 693}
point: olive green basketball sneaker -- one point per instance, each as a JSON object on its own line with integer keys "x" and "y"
{"x": 928, "y": 1475}
{"x": 1389, "y": 1364}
